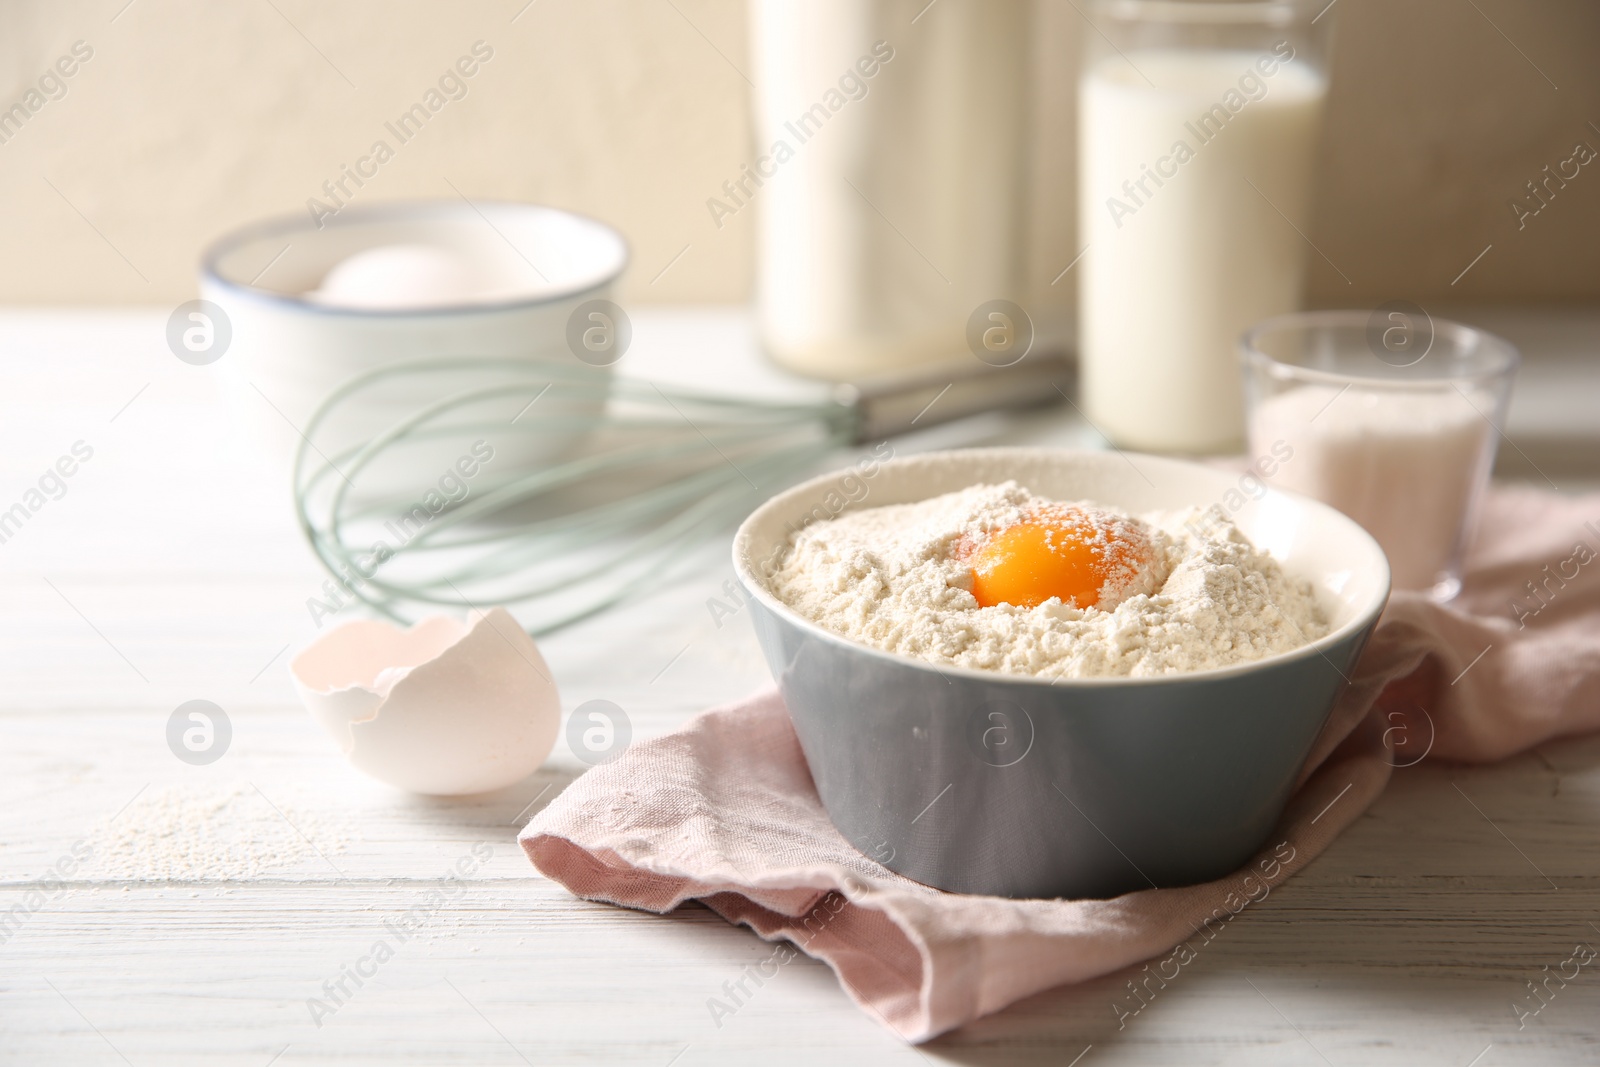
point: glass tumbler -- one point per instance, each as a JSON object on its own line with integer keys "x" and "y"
{"x": 1391, "y": 416}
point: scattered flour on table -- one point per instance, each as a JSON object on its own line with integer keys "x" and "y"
{"x": 890, "y": 577}
{"x": 212, "y": 833}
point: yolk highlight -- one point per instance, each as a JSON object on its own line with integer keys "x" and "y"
{"x": 1060, "y": 552}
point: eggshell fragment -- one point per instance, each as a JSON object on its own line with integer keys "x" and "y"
{"x": 444, "y": 707}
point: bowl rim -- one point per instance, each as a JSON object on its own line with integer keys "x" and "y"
{"x": 417, "y": 209}
{"x": 1363, "y": 619}
{"x": 1503, "y": 358}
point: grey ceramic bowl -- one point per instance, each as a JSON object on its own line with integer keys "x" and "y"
{"x": 982, "y": 782}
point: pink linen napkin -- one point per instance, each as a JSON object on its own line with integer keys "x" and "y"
{"x": 724, "y": 811}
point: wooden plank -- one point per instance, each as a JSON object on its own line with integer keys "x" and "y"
{"x": 1410, "y": 939}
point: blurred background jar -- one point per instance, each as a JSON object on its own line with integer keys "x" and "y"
{"x": 890, "y": 174}
{"x": 1197, "y": 125}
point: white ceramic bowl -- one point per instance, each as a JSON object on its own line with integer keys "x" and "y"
{"x": 289, "y": 351}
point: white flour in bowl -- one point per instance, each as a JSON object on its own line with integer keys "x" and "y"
{"x": 894, "y": 578}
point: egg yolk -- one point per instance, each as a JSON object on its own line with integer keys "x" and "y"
{"x": 1064, "y": 552}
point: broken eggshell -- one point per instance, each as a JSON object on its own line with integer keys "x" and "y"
{"x": 445, "y": 707}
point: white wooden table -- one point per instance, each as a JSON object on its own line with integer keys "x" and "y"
{"x": 170, "y": 571}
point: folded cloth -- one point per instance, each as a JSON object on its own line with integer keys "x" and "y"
{"x": 724, "y": 811}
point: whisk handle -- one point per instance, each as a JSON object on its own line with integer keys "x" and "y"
{"x": 886, "y": 408}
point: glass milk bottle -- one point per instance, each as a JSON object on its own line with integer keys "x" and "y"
{"x": 1197, "y": 124}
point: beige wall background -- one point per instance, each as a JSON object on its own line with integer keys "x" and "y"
{"x": 192, "y": 118}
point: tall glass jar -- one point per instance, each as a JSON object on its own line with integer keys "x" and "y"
{"x": 889, "y": 176}
{"x": 1197, "y": 125}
